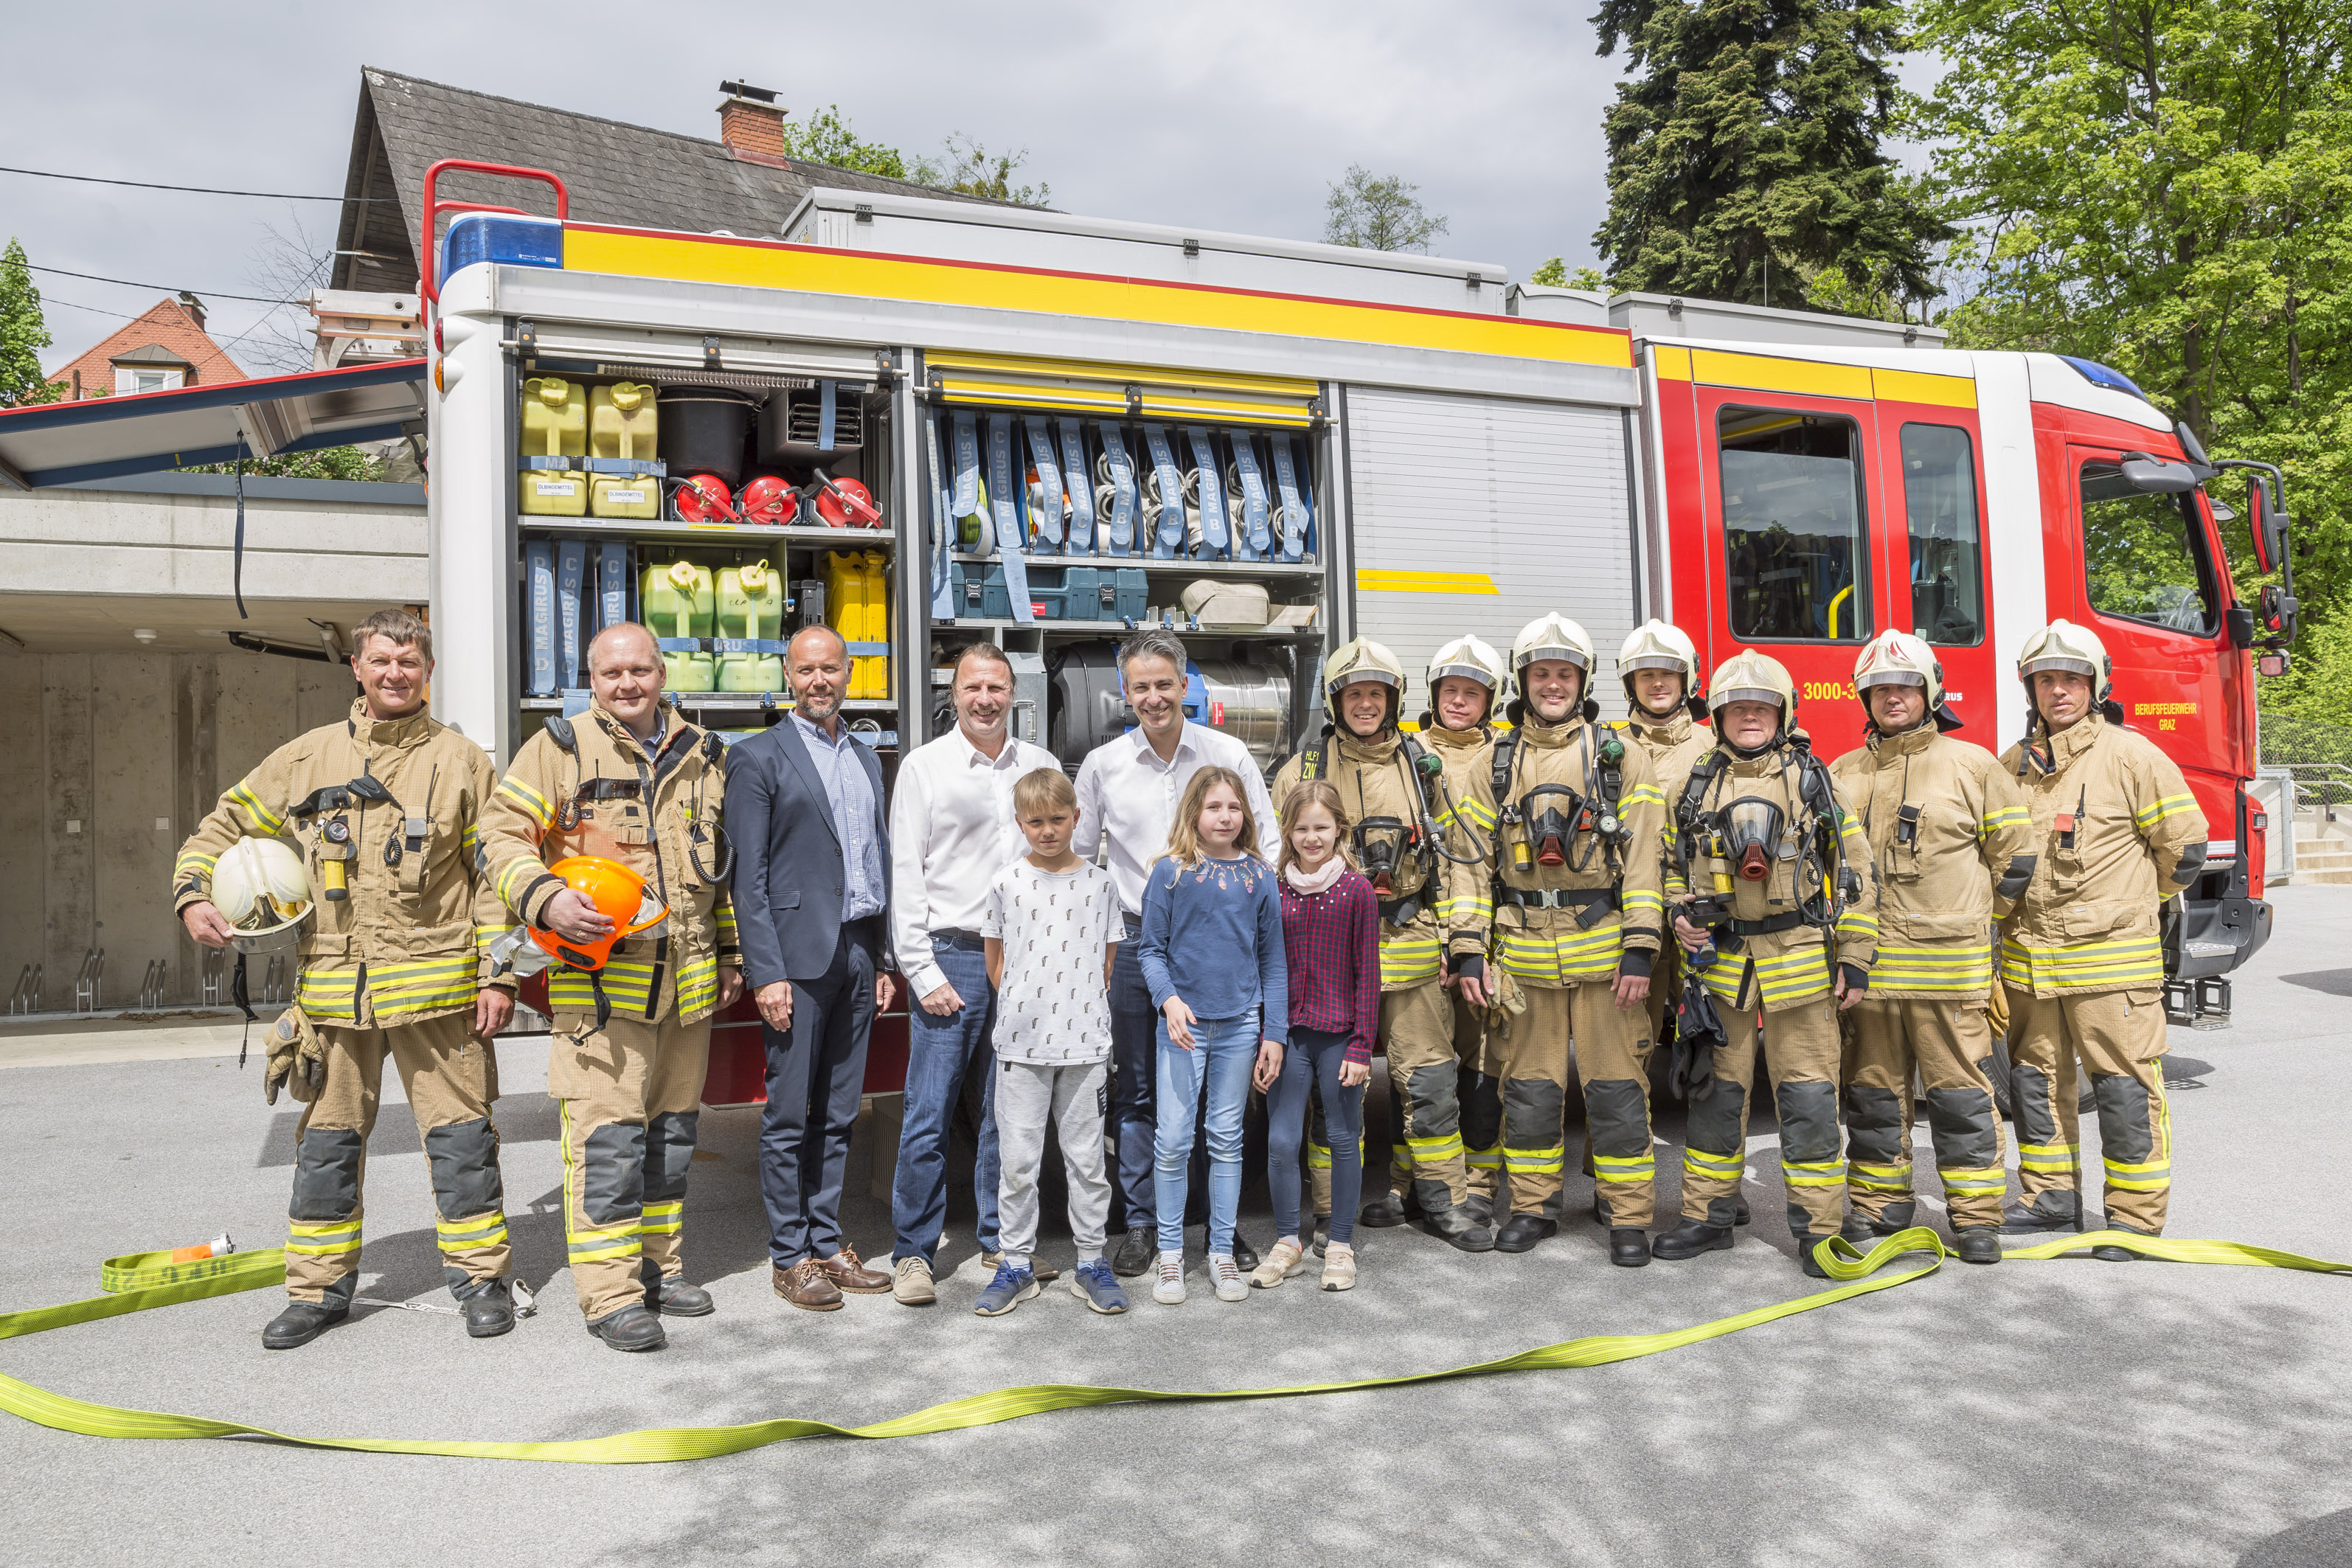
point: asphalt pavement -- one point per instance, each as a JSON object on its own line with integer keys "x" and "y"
{"x": 2067, "y": 1411}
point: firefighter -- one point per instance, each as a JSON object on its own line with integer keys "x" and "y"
{"x": 1954, "y": 848}
{"x": 628, "y": 781}
{"x": 386, "y": 805}
{"x": 1387, "y": 779}
{"x": 1467, "y": 680}
{"x": 1776, "y": 900}
{"x": 1659, "y": 666}
{"x": 2081, "y": 959}
{"x": 1578, "y": 910}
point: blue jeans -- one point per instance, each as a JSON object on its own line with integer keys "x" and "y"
{"x": 1223, "y": 1050}
{"x": 942, "y": 1055}
{"x": 1316, "y": 1057}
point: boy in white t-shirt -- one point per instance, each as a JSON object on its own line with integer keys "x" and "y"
{"x": 1052, "y": 926}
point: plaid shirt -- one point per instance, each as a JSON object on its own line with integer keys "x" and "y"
{"x": 1333, "y": 938}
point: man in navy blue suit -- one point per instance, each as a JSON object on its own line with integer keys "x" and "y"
{"x": 812, "y": 879}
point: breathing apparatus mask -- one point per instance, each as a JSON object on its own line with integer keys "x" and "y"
{"x": 1550, "y": 816}
{"x": 1381, "y": 843}
{"x": 1751, "y": 831}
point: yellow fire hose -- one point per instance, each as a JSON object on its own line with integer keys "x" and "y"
{"x": 141, "y": 1280}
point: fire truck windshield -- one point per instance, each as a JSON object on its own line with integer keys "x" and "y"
{"x": 1792, "y": 527}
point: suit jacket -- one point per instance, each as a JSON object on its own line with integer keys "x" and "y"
{"x": 788, "y": 860}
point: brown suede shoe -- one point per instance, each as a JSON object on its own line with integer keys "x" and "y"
{"x": 804, "y": 1284}
{"x": 846, "y": 1272}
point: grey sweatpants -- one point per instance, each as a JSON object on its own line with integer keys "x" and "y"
{"x": 1074, "y": 1097}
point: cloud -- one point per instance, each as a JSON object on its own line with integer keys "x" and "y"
{"x": 1213, "y": 115}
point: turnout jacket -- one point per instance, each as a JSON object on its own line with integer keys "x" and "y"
{"x": 1672, "y": 745}
{"x": 1962, "y": 863}
{"x": 1468, "y": 755}
{"x": 1777, "y": 969}
{"x": 412, "y": 940}
{"x": 2118, "y": 833}
{"x": 658, "y": 816}
{"x": 1422, "y": 909}
{"x": 1582, "y": 920}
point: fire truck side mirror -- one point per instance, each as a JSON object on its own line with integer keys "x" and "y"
{"x": 2158, "y": 475}
{"x": 2239, "y": 622}
{"x": 2265, "y": 524}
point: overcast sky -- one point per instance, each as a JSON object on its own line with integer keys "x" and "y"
{"x": 1231, "y": 116}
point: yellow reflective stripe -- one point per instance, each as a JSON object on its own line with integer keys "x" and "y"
{"x": 328, "y": 996}
{"x": 193, "y": 865}
{"x": 1642, "y": 794}
{"x": 484, "y": 936}
{"x": 663, "y": 1219}
{"x": 626, "y": 985}
{"x": 516, "y": 875}
{"x": 1699, "y": 1162}
{"x": 2048, "y": 1158}
{"x": 1484, "y": 1159}
{"x": 1643, "y": 899}
{"x": 1627, "y": 1168}
{"x": 2003, "y": 817}
{"x": 1814, "y": 1173}
{"x": 1908, "y": 967}
{"x": 1405, "y": 960}
{"x": 698, "y": 984}
{"x": 1877, "y": 1178}
{"x": 1975, "y": 1179}
{"x": 600, "y": 1246}
{"x": 531, "y": 800}
{"x": 329, "y": 1240}
{"x": 1854, "y": 922}
{"x": 1534, "y": 1162}
{"x": 1565, "y": 955}
{"x": 727, "y": 922}
{"x": 269, "y": 821}
{"x": 1675, "y": 887}
{"x": 469, "y": 841}
{"x": 2104, "y": 964}
{"x": 424, "y": 983}
{"x": 1476, "y": 909}
{"x": 467, "y": 1235}
{"x": 1791, "y": 976}
{"x": 1428, "y": 1152}
{"x": 2145, "y": 1176}
{"x": 2148, "y": 816}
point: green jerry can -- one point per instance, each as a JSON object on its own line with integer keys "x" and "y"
{"x": 622, "y": 423}
{"x": 555, "y": 424}
{"x": 678, "y": 600}
{"x": 751, "y": 603}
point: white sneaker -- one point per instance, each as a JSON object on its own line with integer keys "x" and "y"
{"x": 1169, "y": 1291}
{"x": 1232, "y": 1285}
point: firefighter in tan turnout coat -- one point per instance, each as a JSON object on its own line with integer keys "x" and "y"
{"x": 1954, "y": 848}
{"x": 386, "y": 808}
{"x": 2117, "y": 832}
{"x": 632, "y": 781}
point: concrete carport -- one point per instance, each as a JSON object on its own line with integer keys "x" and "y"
{"x": 127, "y": 706}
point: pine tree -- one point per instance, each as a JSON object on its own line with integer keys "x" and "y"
{"x": 23, "y": 333}
{"x": 1744, "y": 156}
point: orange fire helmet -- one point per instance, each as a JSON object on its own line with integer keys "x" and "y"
{"x": 617, "y": 892}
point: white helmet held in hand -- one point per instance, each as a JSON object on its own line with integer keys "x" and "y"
{"x": 263, "y": 890}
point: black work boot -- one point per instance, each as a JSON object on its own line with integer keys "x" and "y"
{"x": 630, "y": 1328}
{"x": 2033, "y": 1219}
{"x": 1137, "y": 1253}
{"x": 488, "y": 1312}
{"x": 1480, "y": 1208}
{"x": 676, "y": 1299}
{"x": 1629, "y": 1249}
{"x": 1455, "y": 1228}
{"x": 1977, "y": 1244}
{"x": 1383, "y": 1213}
{"x": 1805, "y": 1258}
{"x": 2120, "y": 1253}
{"x": 1244, "y": 1255}
{"x": 1689, "y": 1239}
{"x": 1743, "y": 1215}
{"x": 300, "y": 1324}
{"x": 1522, "y": 1231}
{"x": 1860, "y": 1230}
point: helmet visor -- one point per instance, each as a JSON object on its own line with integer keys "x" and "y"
{"x": 1673, "y": 661}
{"x": 1560, "y": 651}
{"x": 1731, "y": 694}
{"x": 1890, "y": 677}
{"x": 2059, "y": 663}
{"x": 1478, "y": 673}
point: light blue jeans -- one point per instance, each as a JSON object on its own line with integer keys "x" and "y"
{"x": 1223, "y": 1051}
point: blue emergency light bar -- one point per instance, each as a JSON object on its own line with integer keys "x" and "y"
{"x": 511, "y": 240}
{"x": 2098, "y": 374}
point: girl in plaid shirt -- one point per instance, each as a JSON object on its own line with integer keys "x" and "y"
{"x": 1331, "y": 935}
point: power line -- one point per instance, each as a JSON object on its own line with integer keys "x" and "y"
{"x": 127, "y": 283}
{"x": 195, "y": 190}
{"x": 49, "y": 299}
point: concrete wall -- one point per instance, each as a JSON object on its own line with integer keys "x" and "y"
{"x": 108, "y": 761}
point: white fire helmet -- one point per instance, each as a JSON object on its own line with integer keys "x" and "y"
{"x": 1552, "y": 636}
{"x": 1655, "y": 645}
{"x": 1752, "y": 676}
{"x": 2064, "y": 646}
{"x": 1899, "y": 658}
{"x": 1473, "y": 658}
{"x": 1362, "y": 659}
{"x": 262, "y": 889}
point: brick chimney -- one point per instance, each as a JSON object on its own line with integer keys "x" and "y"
{"x": 751, "y": 125}
{"x": 194, "y": 307}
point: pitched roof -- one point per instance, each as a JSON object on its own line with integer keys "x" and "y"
{"x": 169, "y": 329}
{"x": 613, "y": 173}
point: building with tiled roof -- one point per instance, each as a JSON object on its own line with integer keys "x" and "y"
{"x": 167, "y": 347}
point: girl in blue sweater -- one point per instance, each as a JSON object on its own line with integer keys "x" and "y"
{"x": 1211, "y": 952}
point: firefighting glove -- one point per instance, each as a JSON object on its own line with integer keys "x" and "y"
{"x": 297, "y": 1058}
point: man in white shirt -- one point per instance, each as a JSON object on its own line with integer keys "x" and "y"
{"x": 1127, "y": 792}
{"x": 952, "y": 831}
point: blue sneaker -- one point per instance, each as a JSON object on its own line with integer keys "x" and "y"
{"x": 1099, "y": 1288}
{"x": 1010, "y": 1288}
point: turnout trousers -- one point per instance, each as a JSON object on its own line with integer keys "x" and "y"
{"x": 1478, "y": 1054}
{"x": 450, "y": 1078}
{"x": 1802, "y": 1057}
{"x": 1613, "y": 1068}
{"x": 2119, "y": 1035}
{"x": 1417, "y": 1028}
{"x": 1950, "y": 1045}
{"x": 627, "y": 1097}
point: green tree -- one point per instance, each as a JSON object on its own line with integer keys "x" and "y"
{"x": 1554, "y": 274}
{"x": 327, "y": 463}
{"x": 1382, "y": 212}
{"x": 24, "y": 332}
{"x": 2166, "y": 187}
{"x": 970, "y": 167}
{"x": 1744, "y": 157}
{"x": 826, "y": 137}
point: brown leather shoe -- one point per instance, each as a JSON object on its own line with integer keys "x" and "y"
{"x": 804, "y": 1284}
{"x": 846, "y": 1272}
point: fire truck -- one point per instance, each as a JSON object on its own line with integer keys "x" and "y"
{"x": 928, "y": 422}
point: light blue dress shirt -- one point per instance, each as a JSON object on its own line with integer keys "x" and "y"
{"x": 851, "y": 795}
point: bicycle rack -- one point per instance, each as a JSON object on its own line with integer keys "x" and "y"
{"x": 153, "y": 984}
{"x": 273, "y": 983}
{"x": 90, "y": 982}
{"x": 214, "y": 961}
{"x": 26, "y": 997}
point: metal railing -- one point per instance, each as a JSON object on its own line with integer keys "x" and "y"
{"x": 90, "y": 982}
{"x": 2323, "y": 786}
{"x": 153, "y": 984}
{"x": 215, "y": 960}
{"x": 273, "y": 981}
{"x": 26, "y": 997}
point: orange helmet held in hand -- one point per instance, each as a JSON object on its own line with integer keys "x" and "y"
{"x": 618, "y": 893}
